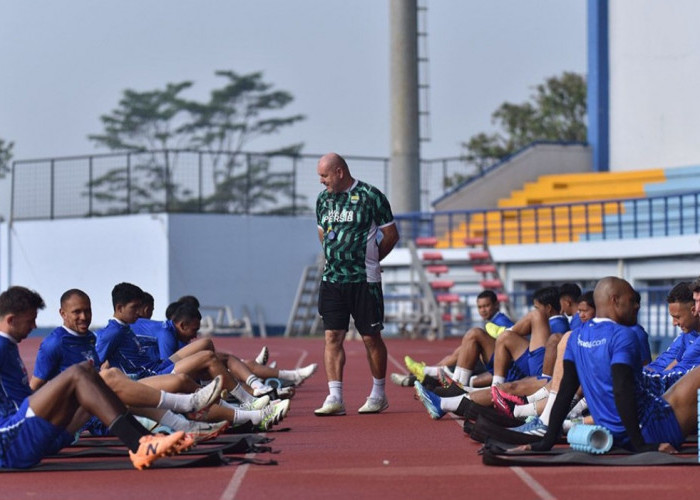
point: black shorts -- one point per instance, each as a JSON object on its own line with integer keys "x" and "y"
{"x": 364, "y": 301}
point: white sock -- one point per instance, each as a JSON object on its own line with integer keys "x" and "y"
{"x": 431, "y": 370}
{"x": 449, "y": 372}
{"x": 243, "y": 416}
{"x": 541, "y": 393}
{"x": 174, "y": 420}
{"x": 176, "y": 402}
{"x": 254, "y": 382}
{"x": 290, "y": 375}
{"x": 578, "y": 408}
{"x": 335, "y": 389}
{"x": 451, "y": 403}
{"x": 378, "y": 388}
{"x": 548, "y": 407}
{"x": 497, "y": 380}
{"x": 521, "y": 411}
{"x": 462, "y": 375}
{"x": 242, "y": 395}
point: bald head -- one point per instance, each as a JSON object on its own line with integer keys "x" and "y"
{"x": 334, "y": 173}
{"x": 615, "y": 299}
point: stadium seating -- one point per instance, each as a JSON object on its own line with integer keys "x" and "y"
{"x": 592, "y": 205}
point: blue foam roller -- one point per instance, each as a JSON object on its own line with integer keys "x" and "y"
{"x": 275, "y": 383}
{"x": 594, "y": 439}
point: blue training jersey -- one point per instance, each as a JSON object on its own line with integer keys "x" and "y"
{"x": 14, "y": 381}
{"x": 166, "y": 338}
{"x": 119, "y": 345}
{"x": 643, "y": 339}
{"x": 61, "y": 349}
{"x": 574, "y": 322}
{"x": 681, "y": 347}
{"x": 594, "y": 348}
{"x": 500, "y": 319}
{"x": 144, "y": 327}
{"x": 558, "y": 324}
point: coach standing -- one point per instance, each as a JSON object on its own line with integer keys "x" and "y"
{"x": 349, "y": 214}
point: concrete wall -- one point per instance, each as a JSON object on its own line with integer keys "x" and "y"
{"x": 654, "y": 79}
{"x": 224, "y": 260}
{"x": 526, "y": 166}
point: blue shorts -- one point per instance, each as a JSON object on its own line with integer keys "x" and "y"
{"x": 535, "y": 362}
{"x": 26, "y": 440}
{"x": 659, "y": 424}
{"x": 520, "y": 368}
{"x": 159, "y": 367}
{"x": 657, "y": 383}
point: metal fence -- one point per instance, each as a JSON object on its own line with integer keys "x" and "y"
{"x": 667, "y": 215}
{"x": 194, "y": 182}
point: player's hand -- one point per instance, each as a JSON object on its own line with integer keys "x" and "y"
{"x": 104, "y": 366}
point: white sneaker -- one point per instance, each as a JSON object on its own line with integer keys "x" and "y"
{"x": 401, "y": 379}
{"x": 331, "y": 406}
{"x": 273, "y": 414}
{"x": 261, "y": 358}
{"x": 256, "y": 404}
{"x": 302, "y": 374}
{"x": 207, "y": 395}
{"x": 204, "y": 431}
{"x": 374, "y": 405}
{"x": 261, "y": 391}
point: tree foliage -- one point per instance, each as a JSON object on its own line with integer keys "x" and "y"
{"x": 5, "y": 157}
{"x": 153, "y": 124}
{"x": 556, "y": 111}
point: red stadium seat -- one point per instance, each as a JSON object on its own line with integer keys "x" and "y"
{"x": 492, "y": 284}
{"x": 479, "y": 255}
{"x": 442, "y": 284}
{"x": 437, "y": 270}
{"x": 485, "y": 268}
{"x": 432, "y": 256}
{"x": 426, "y": 241}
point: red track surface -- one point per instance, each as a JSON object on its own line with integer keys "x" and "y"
{"x": 399, "y": 454}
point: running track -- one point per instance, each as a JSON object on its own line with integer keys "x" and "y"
{"x": 399, "y": 454}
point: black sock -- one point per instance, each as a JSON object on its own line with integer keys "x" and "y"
{"x": 463, "y": 408}
{"x": 128, "y": 429}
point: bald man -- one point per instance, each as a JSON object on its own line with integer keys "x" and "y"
{"x": 351, "y": 215}
{"x": 604, "y": 356}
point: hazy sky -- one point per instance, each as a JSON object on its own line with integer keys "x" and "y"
{"x": 66, "y": 63}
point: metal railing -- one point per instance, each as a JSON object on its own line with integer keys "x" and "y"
{"x": 669, "y": 215}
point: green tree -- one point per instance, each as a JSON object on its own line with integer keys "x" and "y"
{"x": 152, "y": 124}
{"x": 5, "y": 157}
{"x": 556, "y": 111}
{"x": 243, "y": 109}
{"x": 146, "y": 125}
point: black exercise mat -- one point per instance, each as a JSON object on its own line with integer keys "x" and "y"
{"x": 500, "y": 448}
{"x": 245, "y": 440}
{"x": 485, "y": 428}
{"x": 209, "y": 460}
{"x": 572, "y": 457}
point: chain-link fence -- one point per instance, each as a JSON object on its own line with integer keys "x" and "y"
{"x": 195, "y": 182}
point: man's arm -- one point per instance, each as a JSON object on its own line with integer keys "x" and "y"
{"x": 390, "y": 236}
{"x": 320, "y": 234}
{"x": 623, "y": 389}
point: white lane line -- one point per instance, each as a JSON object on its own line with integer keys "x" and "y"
{"x": 398, "y": 365}
{"x": 237, "y": 480}
{"x": 536, "y": 487}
